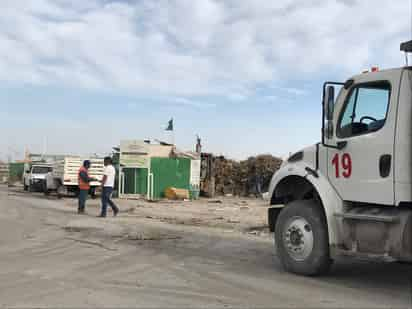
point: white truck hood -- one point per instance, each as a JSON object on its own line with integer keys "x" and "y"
{"x": 307, "y": 154}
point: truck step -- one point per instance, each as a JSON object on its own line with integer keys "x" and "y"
{"x": 369, "y": 216}
{"x": 363, "y": 256}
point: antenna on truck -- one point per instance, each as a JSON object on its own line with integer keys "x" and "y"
{"x": 406, "y": 47}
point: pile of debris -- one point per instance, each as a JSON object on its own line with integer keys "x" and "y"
{"x": 224, "y": 171}
{"x": 244, "y": 178}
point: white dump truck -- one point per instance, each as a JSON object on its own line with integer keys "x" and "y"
{"x": 34, "y": 176}
{"x": 351, "y": 194}
{"x": 64, "y": 177}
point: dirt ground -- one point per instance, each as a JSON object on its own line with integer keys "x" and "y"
{"x": 209, "y": 253}
{"x": 232, "y": 214}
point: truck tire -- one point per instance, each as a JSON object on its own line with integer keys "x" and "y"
{"x": 61, "y": 191}
{"x": 301, "y": 238}
{"x": 93, "y": 193}
{"x": 45, "y": 190}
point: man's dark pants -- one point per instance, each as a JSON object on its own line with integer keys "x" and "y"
{"x": 106, "y": 199}
{"x": 82, "y": 200}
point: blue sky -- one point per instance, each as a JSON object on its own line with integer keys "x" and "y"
{"x": 244, "y": 75}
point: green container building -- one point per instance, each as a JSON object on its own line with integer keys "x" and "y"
{"x": 147, "y": 170}
{"x": 135, "y": 181}
{"x": 166, "y": 172}
{"x": 16, "y": 170}
{"x": 169, "y": 172}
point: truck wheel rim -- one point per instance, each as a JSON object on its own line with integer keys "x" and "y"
{"x": 298, "y": 238}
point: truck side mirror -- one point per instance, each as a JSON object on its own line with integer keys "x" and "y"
{"x": 329, "y": 102}
{"x": 328, "y": 129}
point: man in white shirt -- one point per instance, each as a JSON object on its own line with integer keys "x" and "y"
{"x": 109, "y": 174}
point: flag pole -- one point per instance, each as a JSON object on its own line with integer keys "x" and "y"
{"x": 170, "y": 128}
{"x": 173, "y": 132}
{"x": 173, "y": 136}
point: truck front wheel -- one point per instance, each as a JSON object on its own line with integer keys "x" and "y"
{"x": 301, "y": 238}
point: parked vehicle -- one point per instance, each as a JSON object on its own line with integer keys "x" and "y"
{"x": 64, "y": 178}
{"x": 34, "y": 176}
{"x": 350, "y": 194}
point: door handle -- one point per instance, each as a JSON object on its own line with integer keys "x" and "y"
{"x": 385, "y": 162}
{"x": 342, "y": 144}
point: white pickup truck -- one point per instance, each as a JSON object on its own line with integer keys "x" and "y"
{"x": 64, "y": 177}
{"x": 34, "y": 176}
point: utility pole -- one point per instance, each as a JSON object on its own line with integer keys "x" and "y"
{"x": 44, "y": 147}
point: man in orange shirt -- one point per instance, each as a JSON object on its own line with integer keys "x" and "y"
{"x": 84, "y": 185}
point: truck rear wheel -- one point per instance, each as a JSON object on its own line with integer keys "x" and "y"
{"x": 301, "y": 238}
{"x": 93, "y": 192}
{"x": 46, "y": 191}
{"x": 61, "y": 191}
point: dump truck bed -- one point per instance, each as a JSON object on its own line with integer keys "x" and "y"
{"x": 67, "y": 170}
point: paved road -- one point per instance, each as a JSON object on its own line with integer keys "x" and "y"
{"x": 51, "y": 257}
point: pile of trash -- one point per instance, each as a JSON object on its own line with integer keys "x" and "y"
{"x": 224, "y": 171}
{"x": 244, "y": 178}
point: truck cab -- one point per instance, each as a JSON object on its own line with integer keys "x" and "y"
{"x": 350, "y": 194}
{"x": 34, "y": 176}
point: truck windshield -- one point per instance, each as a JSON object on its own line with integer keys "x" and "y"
{"x": 41, "y": 169}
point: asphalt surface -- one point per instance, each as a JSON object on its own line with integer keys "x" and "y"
{"x": 51, "y": 257}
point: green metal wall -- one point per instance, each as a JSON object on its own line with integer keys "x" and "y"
{"x": 135, "y": 180}
{"x": 169, "y": 172}
{"x": 16, "y": 171}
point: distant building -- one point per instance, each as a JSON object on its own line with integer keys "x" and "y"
{"x": 4, "y": 172}
{"x": 148, "y": 169}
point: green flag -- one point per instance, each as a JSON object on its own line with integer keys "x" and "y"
{"x": 170, "y": 125}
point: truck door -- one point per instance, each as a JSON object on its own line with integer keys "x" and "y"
{"x": 364, "y": 127}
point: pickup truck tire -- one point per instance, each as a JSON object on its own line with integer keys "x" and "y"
{"x": 301, "y": 238}
{"x": 93, "y": 193}
{"x": 45, "y": 190}
{"x": 61, "y": 191}
{"x": 76, "y": 193}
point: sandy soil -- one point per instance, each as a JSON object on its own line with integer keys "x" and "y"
{"x": 179, "y": 254}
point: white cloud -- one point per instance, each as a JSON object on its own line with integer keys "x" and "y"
{"x": 194, "y": 48}
{"x": 237, "y": 97}
{"x": 192, "y": 103}
{"x": 295, "y": 91}
{"x": 271, "y": 98}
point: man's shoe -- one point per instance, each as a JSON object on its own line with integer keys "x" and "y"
{"x": 115, "y": 212}
{"x": 101, "y": 216}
